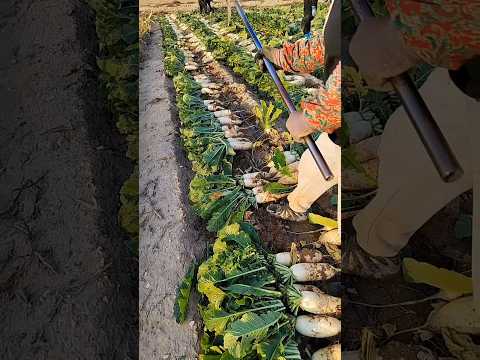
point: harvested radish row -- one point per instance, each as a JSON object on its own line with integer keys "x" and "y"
{"x": 318, "y": 326}
{"x": 333, "y": 352}
{"x": 313, "y": 271}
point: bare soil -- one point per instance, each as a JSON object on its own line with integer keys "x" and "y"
{"x": 68, "y": 283}
{"x": 171, "y": 236}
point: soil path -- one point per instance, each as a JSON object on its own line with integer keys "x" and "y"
{"x": 170, "y": 235}
{"x": 68, "y": 285}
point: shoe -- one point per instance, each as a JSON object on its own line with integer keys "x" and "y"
{"x": 284, "y": 212}
{"x": 356, "y": 261}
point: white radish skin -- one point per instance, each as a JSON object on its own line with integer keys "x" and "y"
{"x": 214, "y": 107}
{"x": 459, "y": 315}
{"x": 222, "y": 113}
{"x": 303, "y": 256}
{"x": 320, "y": 303}
{"x": 313, "y": 271}
{"x": 283, "y": 258}
{"x": 239, "y": 144}
{"x": 333, "y": 352}
{"x": 226, "y": 127}
{"x": 225, "y": 120}
{"x": 299, "y": 82}
{"x": 232, "y": 133}
{"x": 330, "y": 237}
{"x": 318, "y": 326}
{"x": 207, "y": 91}
{"x": 191, "y": 67}
{"x": 253, "y": 182}
{"x": 208, "y": 102}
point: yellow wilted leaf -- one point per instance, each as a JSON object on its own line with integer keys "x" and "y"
{"x": 327, "y": 223}
{"x": 449, "y": 281}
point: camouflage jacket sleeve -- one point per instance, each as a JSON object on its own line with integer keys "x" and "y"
{"x": 443, "y": 33}
{"x": 306, "y": 56}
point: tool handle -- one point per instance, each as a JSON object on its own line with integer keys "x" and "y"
{"x": 317, "y": 155}
{"x": 422, "y": 120}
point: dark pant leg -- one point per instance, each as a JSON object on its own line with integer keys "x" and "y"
{"x": 307, "y": 15}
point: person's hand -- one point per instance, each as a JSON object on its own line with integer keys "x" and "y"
{"x": 380, "y": 52}
{"x": 298, "y": 126}
{"x": 268, "y": 53}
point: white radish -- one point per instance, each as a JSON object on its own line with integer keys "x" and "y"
{"x": 313, "y": 271}
{"x": 330, "y": 237}
{"x": 208, "y": 102}
{"x": 318, "y": 326}
{"x": 207, "y": 91}
{"x": 222, "y": 113}
{"x": 290, "y": 157}
{"x": 303, "y": 256}
{"x": 311, "y": 91}
{"x": 240, "y": 144}
{"x": 332, "y": 352}
{"x": 226, "y": 120}
{"x": 459, "y": 314}
{"x": 253, "y": 181}
{"x": 214, "y": 108}
{"x": 191, "y": 67}
{"x": 315, "y": 303}
{"x": 232, "y": 133}
{"x": 299, "y": 82}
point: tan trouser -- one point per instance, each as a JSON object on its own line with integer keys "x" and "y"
{"x": 311, "y": 184}
{"x": 409, "y": 188}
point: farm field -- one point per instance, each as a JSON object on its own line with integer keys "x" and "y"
{"x": 229, "y": 122}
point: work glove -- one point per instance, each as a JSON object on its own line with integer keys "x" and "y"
{"x": 268, "y": 53}
{"x": 298, "y": 126}
{"x": 380, "y": 52}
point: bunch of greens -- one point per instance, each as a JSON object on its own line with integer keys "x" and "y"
{"x": 244, "y": 315}
{"x": 174, "y": 57}
{"x": 117, "y": 31}
{"x": 220, "y": 200}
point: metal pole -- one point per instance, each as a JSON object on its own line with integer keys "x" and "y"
{"x": 317, "y": 155}
{"x": 422, "y": 120}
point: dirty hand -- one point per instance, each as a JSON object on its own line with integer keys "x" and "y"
{"x": 268, "y": 53}
{"x": 298, "y": 126}
{"x": 380, "y": 52}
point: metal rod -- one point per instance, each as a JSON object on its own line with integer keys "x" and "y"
{"x": 317, "y": 155}
{"x": 422, "y": 120}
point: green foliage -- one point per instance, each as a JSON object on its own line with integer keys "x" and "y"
{"x": 117, "y": 32}
{"x": 245, "y": 317}
{"x": 280, "y": 163}
{"x": 267, "y": 115}
{"x": 183, "y": 294}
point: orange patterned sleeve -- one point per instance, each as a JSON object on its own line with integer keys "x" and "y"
{"x": 443, "y": 33}
{"x": 324, "y": 112}
{"x": 303, "y": 56}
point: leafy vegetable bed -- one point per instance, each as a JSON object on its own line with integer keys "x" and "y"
{"x": 251, "y": 299}
{"x": 117, "y": 31}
